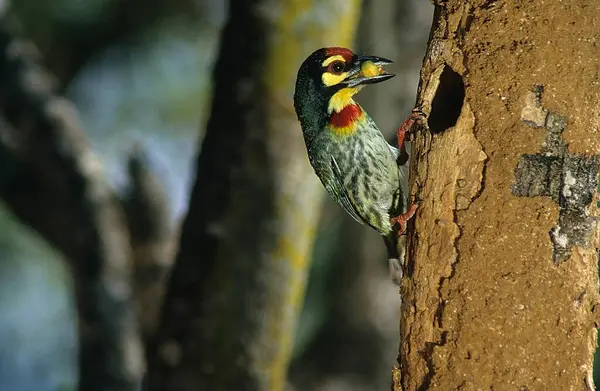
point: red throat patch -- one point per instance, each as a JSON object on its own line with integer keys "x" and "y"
{"x": 337, "y": 51}
{"x": 346, "y": 117}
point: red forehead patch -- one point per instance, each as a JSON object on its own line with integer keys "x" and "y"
{"x": 337, "y": 51}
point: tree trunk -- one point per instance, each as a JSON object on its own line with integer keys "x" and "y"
{"x": 238, "y": 280}
{"x": 502, "y": 286}
{"x": 53, "y": 182}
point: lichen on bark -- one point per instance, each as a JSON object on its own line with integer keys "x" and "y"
{"x": 569, "y": 179}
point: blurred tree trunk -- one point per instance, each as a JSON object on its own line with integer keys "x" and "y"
{"x": 52, "y": 181}
{"x": 238, "y": 281}
{"x": 503, "y": 281}
{"x": 362, "y": 306}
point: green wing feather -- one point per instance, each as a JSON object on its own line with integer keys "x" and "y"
{"x": 340, "y": 191}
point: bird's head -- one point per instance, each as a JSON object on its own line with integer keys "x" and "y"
{"x": 327, "y": 81}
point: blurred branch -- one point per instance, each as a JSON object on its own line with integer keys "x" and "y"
{"x": 152, "y": 238}
{"x": 56, "y": 187}
{"x": 238, "y": 281}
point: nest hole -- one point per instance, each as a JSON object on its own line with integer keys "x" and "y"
{"x": 447, "y": 102}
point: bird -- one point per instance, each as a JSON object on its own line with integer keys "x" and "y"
{"x": 357, "y": 166}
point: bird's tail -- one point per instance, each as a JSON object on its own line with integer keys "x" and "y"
{"x": 395, "y": 248}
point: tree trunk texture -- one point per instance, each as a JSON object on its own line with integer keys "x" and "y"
{"x": 238, "y": 281}
{"x": 502, "y": 286}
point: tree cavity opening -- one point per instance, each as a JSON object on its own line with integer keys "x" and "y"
{"x": 447, "y": 102}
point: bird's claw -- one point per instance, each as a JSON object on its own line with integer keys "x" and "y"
{"x": 416, "y": 115}
{"x": 402, "y": 220}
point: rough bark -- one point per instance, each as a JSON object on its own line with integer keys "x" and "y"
{"x": 52, "y": 181}
{"x": 238, "y": 281}
{"x": 502, "y": 286}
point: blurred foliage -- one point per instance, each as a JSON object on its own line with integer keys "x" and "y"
{"x": 47, "y": 16}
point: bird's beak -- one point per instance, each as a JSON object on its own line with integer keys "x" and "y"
{"x": 367, "y": 70}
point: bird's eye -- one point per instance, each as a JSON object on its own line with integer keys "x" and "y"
{"x": 336, "y": 67}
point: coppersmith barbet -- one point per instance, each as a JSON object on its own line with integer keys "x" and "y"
{"x": 357, "y": 166}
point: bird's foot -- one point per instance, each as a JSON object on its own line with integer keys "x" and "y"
{"x": 402, "y": 220}
{"x": 416, "y": 115}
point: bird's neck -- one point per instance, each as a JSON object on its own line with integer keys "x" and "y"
{"x": 344, "y": 113}
{"x": 342, "y": 99}
{"x": 311, "y": 108}
{"x": 338, "y": 114}
{"x": 346, "y": 121}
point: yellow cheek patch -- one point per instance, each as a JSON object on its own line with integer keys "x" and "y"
{"x": 341, "y": 99}
{"x": 331, "y": 59}
{"x": 329, "y": 79}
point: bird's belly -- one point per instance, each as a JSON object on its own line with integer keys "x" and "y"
{"x": 368, "y": 174}
{"x": 373, "y": 185}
